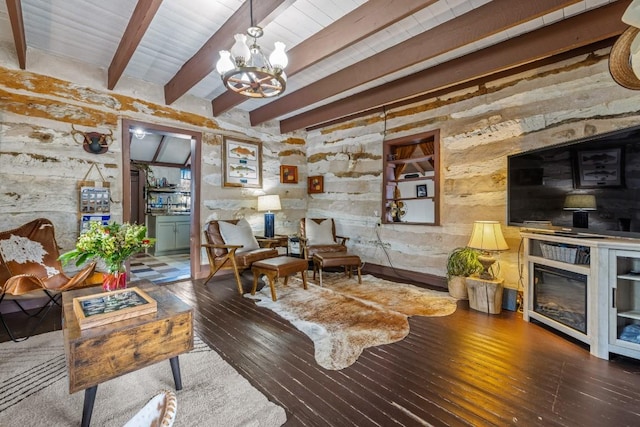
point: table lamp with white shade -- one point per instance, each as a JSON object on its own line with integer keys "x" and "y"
{"x": 487, "y": 237}
{"x": 269, "y": 203}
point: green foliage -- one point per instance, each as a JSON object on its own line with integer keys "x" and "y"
{"x": 463, "y": 262}
{"x": 113, "y": 243}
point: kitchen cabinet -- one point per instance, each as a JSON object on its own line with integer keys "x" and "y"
{"x": 172, "y": 234}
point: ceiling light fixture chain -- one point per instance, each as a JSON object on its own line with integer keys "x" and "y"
{"x": 246, "y": 70}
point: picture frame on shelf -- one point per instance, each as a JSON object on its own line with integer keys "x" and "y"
{"x": 315, "y": 184}
{"x": 599, "y": 168}
{"x": 241, "y": 163}
{"x": 421, "y": 191}
{"x": 288, "y": 174}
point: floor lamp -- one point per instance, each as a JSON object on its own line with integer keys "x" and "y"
{"x": 269, "y": 203}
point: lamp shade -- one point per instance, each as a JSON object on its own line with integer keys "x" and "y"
{"x": 278, "y": 57}
{"x": 487, "y": 236}
{"x": 269, "y": 203}
{"x": 580, "y": 202}
{"x": 240, "y": 51}
{"x": 225, "y": 63}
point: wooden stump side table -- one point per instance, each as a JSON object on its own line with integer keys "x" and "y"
{"x": 485, "y": 295}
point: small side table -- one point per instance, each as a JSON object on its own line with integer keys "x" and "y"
{"x": 277, "y": 241}
{"x": 485, "y": 295}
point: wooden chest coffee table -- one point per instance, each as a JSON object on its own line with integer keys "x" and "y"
{"x": 100, "y": 353}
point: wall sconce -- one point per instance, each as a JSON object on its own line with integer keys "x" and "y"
{"x": 93, "y": 142}
{"x": 487, "y": 237}
{"x": 269, "y": 203}
{"x": 580, "y": 204}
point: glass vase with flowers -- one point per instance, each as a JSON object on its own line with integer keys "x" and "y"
{"x": 113, "y": 244}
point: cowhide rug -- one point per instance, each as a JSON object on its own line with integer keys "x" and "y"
{"x": 343, "y": 317}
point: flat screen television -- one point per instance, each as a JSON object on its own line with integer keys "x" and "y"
{"x": 601, "y": 174}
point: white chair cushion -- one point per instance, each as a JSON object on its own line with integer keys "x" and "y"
{"x": 238, "y": 234}
{"x": 319, "y": 234}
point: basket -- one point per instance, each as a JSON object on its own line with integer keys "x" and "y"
{"x": 568, "y": 254}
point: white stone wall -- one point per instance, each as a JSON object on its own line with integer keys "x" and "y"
{"x": 479, "y": 128}
{"x": 40, "y": 164}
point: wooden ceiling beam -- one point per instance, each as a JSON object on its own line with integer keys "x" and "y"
{"x": 138, "y": 24}
{"x": 477, "y": 24}
{"x": 584, "y": 50}
{"x": 373, "y": 16}
{"x": 569, "y": 34}
{"x": 203, "y": 62}
{"x": 14, "y": 9}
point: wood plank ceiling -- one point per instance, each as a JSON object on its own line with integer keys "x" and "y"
{"x": 346, "y": 57}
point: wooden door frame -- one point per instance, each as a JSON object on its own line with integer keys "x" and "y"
{"x": 196, "y": 149}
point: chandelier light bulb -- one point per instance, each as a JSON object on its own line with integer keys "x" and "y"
{"x": 240, "y": 51}
{"x": 278, "y": 57}
{"x": 225, "y": 64}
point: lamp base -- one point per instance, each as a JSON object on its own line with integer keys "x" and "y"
{"x": 269, "y": 224}
{"x": 581, "y": 219}
{"x": 486, "y": 261}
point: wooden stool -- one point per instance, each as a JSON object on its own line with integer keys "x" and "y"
{"x": 282, "y": 266}
{"x": 336, "y": 259}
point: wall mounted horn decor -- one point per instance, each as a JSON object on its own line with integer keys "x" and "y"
{"x": 93, "y": 142}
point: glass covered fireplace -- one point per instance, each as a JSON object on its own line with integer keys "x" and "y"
{"x": 560, "y": 295}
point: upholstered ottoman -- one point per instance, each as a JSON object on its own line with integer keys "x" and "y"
{"x": 282, "y": 266}
{"x": 336, "y": 259}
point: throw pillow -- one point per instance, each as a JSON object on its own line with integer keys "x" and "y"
{"x": 238, "y": 234}
{"x": 319, "y": 234}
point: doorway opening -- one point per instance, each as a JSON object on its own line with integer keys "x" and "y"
{"x": 167, "y": 202}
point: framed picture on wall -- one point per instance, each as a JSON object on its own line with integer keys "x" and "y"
{"x": 288, "y": 174}
{"x": 421, "y": 190}
{"x": 315, "y": 184}
{"x": 241, "y": 163}
{"x": 599, "y": 168}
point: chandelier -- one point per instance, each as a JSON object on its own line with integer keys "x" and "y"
{"x": 246, "y": 70}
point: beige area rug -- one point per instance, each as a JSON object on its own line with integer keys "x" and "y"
{"x": 343, "y": 317}
{"x": 34, "y": 390}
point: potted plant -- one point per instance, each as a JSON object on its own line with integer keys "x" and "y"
{"x": 113, "y": 244}
{"x": 461, "y": 263}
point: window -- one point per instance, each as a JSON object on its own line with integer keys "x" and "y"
{"x": 411, "y": 178}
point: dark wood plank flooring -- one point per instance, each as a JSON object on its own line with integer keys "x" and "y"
{"x": 466, "y": 369}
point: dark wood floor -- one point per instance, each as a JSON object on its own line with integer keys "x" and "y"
{"x": 466, "y": 369}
